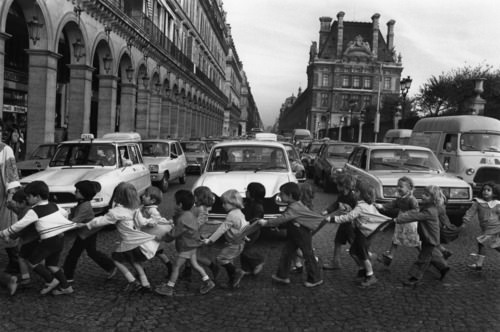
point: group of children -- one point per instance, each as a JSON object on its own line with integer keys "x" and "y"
{"x": 40, "y": 228}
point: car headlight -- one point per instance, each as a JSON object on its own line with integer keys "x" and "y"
{"x": 458, "y": 193}
{"x": 153, "y": 168}
{"x": 470, "y": 171}
{"x": 390, "y": 191}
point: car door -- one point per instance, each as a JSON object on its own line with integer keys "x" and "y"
{"x": 174, "y": 161}
{"x": 137, "y": 173}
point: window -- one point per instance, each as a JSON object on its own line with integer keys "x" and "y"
{"x": 367, "y": 100}
{"x": 326, "y": 79}
{"x": 324, "y": 99}
{"x": 345, "y": 100}
{"x": 367, "y": 83}
{"x": 387, "y": 83}
{"x": 345, "y": 81}
{"x": 356, "y": 82}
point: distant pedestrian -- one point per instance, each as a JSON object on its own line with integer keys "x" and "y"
{"x": 404, "y": 234}
{"x": 428, "y": 230}
{"x": 365, "y": 219}
{"x": 85, "y": 239}
{"x": 135, "y": 246}
{"x": 486, "y": 209}
{"x": 187, "y": 240}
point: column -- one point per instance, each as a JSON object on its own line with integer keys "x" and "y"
{"x": 188, "y": 119}
{"x": 141, "y": 121}
{"x": 42, "y": 81}
{"x": 80, "y": 94}
{"x": 3, "y": 37}
{"x": 181, "y": 118}
{"x": 174, "y": 117}
{"x": 127, "y": 107}
{"x": 154, "y": 116}
{"x": 166, "y": 106}
{"x": 106, "y": 113}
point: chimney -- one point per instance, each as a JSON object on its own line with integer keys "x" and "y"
{"x": 340, "y": 34}
{"x": 375, "y": 30}
{"x": 390, "y": 34}
{"x": 324, "y": 30}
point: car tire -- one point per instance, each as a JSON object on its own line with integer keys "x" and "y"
{"x": 182, "y": 179}
{"x": 164, "y": 183}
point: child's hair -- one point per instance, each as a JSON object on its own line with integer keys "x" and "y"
{"x": 408, "y": 181}
{"x": 185, "y": 198}
{"x": 346, "y": 181}
{"x": 436, "y": 194}
{"x": 292, "y": 189}
{"x": 88, "y": 189}
{"x": 154, "y": 193}
{"x": 307, "y": 195}
{"x": 204, "y": 196}
{"x": 232, "y": 197}
{"x": 126, "y": 195}
{"x": 494, "y": 189}
{"x": 366, "y": 191}
{"x": 256, "y": 191}
{"x": 20, "y": 196}
{"x": 37, "y": 188}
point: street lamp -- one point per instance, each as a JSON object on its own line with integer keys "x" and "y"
{"x": 397, "y": 116}
{"x": 107, "y": 60}
{"x": 34, "y": 29}
{"x": 130, "y": 73}
{"x": 341, "y": 124}
{"x": 405, "y": 85}
{"x": 78, "y": 48}
{"x": 361, "y": 122}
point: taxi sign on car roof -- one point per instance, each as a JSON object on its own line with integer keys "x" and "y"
{"x": 87, "y": 137}
{"x": 122, "y": 136}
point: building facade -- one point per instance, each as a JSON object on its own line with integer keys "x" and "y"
{"x": 69, "y": 67}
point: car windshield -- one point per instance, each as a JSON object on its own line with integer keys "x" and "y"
{"x": 43, "y": 152}
{"x": 247, "y": 158}
{"x": 399, "y": 159}
{"x": 84, "y": 154}
{"x": 338, "y": 150}
{"x": 480, "y": 142}
{"x": 155, "y": 149}
{"x": 192, "y": 147}
{"x": 292, "y": 153}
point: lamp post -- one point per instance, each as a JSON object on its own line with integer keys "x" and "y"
{"x": 361, "y": 122}
{"x": 397, "y": 116}
{"x": 341, "y": 124}
{"x": 405, "y": 85}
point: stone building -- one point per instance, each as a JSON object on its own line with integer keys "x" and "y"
{"x": 352, "y": 69}
{"x": 157, "y": 67}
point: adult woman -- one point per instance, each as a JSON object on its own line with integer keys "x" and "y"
{"x": 9, "y": 181}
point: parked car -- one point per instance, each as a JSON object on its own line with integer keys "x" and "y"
{"x": 297, "y": 167}
{"x": 196, "y": 155}
{"x": 331, "y": 156}
{"x": 382, "y": 164}
{"x": 106, "y": 161}
{"x": 37, "y": 161}
{"x": 166, "y": 161}
{"x": 234, "y": 164}
{"x": 308, "y": 156}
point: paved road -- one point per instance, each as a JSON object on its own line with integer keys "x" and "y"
{"x": 465, "y": 301}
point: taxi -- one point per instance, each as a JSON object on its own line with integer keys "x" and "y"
{"x": 235, "y": 164}
{"x": 108, "y": 161}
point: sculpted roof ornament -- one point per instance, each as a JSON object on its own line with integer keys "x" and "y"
{"x": 358, "y": 47}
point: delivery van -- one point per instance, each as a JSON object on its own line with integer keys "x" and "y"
{"x": 467, "y": 146}
{"x": 301, "y": 134}
{"x": 397, "y": 136}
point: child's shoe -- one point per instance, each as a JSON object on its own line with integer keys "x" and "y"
{"x": 165, "y": 290}
{"x": 369, "y": 281}
{"x": 12, "y": 285}
{"x": 207, "y": 286}
{"x": 63, "y": 291}
{"x": 386, "y": 258}
{"x": 133, "y": 287}
{"x": 50, "y": 286}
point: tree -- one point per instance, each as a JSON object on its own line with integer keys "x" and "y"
{"x": 447, "y": 93}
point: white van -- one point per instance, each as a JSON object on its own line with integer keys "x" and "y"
{"x": 301, "y": 134}
{"x": 397, "y": 136}
{"x": 467, "y": 146}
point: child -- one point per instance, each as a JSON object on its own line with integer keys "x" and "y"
{"x": 428, "y": 230}
{"x": 150, "y": 200}
{"x": 487, "y": 210}
{"x": 204, "y": 199}
{"x": 233, "y": 225}
{"x": 82, "y": 213}
{"x": 135, "y": 246}
{"x": 365, "y": 219}
{"x": 187, "y": 240}
{"x": 345, "y": 232}
{"x": 251, "y": 260}
{"x": 404, "y": 234}
{"x": 300, "y": 222}
{"x": 50, "y": 223}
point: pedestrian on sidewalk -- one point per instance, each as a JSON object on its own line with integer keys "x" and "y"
{"x": 85, "y": 240}
{"x": 486, "y": 209}
{"x": 428, "y": 230}
{"x": 300, "y": 222}
{"x": 186, "y": 234}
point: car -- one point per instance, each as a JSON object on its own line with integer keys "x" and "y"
{"x": 235, "y": 164}
{"x": 166, "y": 161}
{"x": 106, "y": 161}
{"x": 211, "y": 141}
{"x": 297, "y": 167}
{"x": 308, "y": 156}
{"x": 382, "y": 164}
{"x": 196, "y": 155}
{"x": 332, "y": 155}
{"x": 37, "y": 161}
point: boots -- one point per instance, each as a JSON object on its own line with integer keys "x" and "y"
{"x": 478, "y": 264}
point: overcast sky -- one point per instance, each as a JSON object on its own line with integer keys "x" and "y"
{"x": 273, "y": 37}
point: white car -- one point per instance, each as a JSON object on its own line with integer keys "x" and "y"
{"x": 166, "y": 161}
{"x": 106, "y": 161}
{"x": 235, "y": 164}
